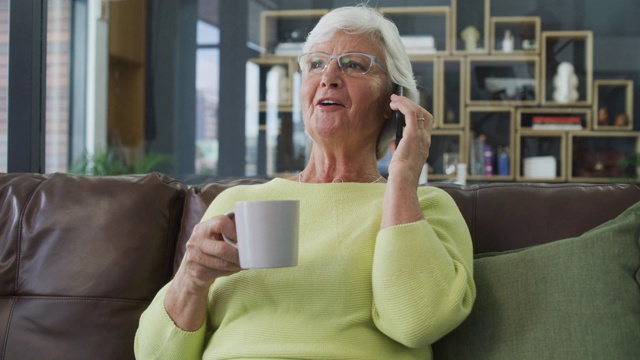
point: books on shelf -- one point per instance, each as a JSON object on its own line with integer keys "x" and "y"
{"x": 289, "y": 48}
{"x": 556, "y": 123}
{"x": 418, "y": 44}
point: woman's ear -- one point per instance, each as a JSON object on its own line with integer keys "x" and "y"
{"x": 392, "y": 146}
{"x": 388, "y": 113}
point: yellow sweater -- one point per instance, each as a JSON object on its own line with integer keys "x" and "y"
{"x": 358, "y": 292}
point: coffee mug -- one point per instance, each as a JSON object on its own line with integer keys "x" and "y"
{"x": 267, "y": 233}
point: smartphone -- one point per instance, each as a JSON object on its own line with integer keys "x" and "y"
{"x": 398, "y": 118}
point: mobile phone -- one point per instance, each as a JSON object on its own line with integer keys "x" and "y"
{"x": 398, "y": 117}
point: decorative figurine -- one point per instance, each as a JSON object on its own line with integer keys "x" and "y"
{"x": 565, "y": 83}
{"x": 603, "y": 117}
{"x": 622, "y": 120}
{"x": 507, "y": 41}
{"x": 470, "y": 35}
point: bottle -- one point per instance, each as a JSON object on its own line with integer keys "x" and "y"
{"x": 507, "y": 41}
{"x": 461, "y": 174}
{"x": 503, "y": 162}
{"x": 488, "y": 160}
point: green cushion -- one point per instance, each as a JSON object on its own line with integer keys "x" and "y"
{"x": 576, "y": 298}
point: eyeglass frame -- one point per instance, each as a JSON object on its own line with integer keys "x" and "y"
{"x": 373, "y": 59}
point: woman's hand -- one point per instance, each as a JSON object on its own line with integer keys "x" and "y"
{"x": 207, "y": 257}
{"x": 401, "y": 205}
{"x": 411, "y": 154}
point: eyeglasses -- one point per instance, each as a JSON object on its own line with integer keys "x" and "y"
{"x": 351, "y": 63}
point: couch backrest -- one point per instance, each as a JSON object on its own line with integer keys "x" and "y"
{"x": 510, "y": 216}
{"x": 81, "y": 258}
{"x": 500, "y": 217}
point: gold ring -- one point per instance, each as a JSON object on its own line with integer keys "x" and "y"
{"x": 420, "y": 119}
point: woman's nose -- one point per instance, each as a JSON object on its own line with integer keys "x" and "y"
{"x": 332, "y": 75}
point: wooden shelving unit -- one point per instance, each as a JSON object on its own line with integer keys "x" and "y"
{"x": 508, "y": 87}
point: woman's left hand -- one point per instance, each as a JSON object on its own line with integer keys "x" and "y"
{"x": 411, "y": 154}
{"x": 401, "y": 205}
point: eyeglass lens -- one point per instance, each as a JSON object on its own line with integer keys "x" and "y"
{"x": 350, "y": 63}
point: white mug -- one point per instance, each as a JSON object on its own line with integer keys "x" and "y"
{"x": 267, "y": 233}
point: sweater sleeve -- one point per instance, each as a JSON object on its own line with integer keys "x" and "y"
{"x": 158, "y": 337}
{"x": 422, "y": 274}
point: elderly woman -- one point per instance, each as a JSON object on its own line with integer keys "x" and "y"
{"x": 385, "y": 266}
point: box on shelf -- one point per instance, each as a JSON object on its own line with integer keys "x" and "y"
{"x": 539, "y": 167}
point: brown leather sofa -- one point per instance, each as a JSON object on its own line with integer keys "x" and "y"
{"x": 81, "y": 257}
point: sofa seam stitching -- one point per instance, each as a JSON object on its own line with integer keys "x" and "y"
{"x": 7, "y": 328}
{"x": 177, "y": 216}
{"x": 474, "y": 209}
{"x": 20, "y": 229}
{"x": 81, "y": 298}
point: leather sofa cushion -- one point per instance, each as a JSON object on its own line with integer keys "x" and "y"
{"x": 81, "y": 258}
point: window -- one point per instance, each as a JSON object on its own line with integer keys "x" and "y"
{"x": 189, "y": 79}
{"x": 4, "y": 81}
{"x": 207, "y": 88}
{"x": 57, "y": 80}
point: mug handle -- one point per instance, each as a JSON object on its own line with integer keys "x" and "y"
{"x": 231, "y": 215}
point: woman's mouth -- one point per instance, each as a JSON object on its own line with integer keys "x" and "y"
{"x": 329, "y": 103}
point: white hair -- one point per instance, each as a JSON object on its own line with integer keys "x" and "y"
{"x": 362, "y": 19}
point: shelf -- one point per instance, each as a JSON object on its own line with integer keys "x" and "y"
{"x": 470, "y": 14}
{"x": 287, "y": 29}
{"x": 275, "y": 142}
{"x": 489, "y": 132}
{"x": 450, "y": 105}
{"x": 613, "y": 105}
{"x": 447, "y": 150}
{"x": 425, "y": 72}
{"x": 524, "y": 32}
{"x": 572, "y": 50}
{"x": 596, "y": 155}
{"x": 541, "y": 156}
{"x": 274, "y": 86}
{"x": 493, "y": 109}
{"x": 423, "y": 29}
{"x": 525, "y": 118}
{"x": 502, "y": 80}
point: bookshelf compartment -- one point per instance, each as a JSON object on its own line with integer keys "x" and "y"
{"x": 596, "y": 157}
{"x": 284, "y": 31}
{"x": 470, "y": 19}
{"x": 563, "y": 51}
{"x": 423, "y": 29}
{"x": 543, "y": 119}
{"x": 275, "y": 82}
{"x": 450, "y": 108}
{"x": 541, "y": 156}
{"x": 445, "y": 153}
{"x": 613, "y": 104}
{"x": 502, "y": 80}
{"x": 425, "y": 71}
{"x": 275, "y": 143}
{"x": 523, "y": 32}
{"x": 490, "y": 133}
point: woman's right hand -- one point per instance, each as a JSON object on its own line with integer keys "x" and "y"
{"x": 207, "y": 257}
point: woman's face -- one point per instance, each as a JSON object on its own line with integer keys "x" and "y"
{"x": 343, "y": 110}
